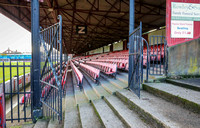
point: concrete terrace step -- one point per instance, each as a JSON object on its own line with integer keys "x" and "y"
{"x": 109, "y": 87}
{"x": 122, "y": 77}
{"x": 54, "y": 124}
{"x": 41, "y": 123}
{"x": 88, "y": 116}
{"x": 80, "y": 97}
{"x": 71, "y": 113}
{"x": 187, "y": 98}
{"x": 98, "y": 89}
{"x": 159, "y": 112}
{"x": 187, "y": 83}
{"x": 106, "y": 115}
{"x": 119, "y": 84}
{"x": 89, "y": 92}
{"x": 129, "y": 117}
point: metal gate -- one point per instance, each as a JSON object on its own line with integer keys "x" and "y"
{"x": 135, "y": 60}
{"x": 51, "y": 70}
{"x": 158, "y": 55}
{"x": 15, "y": 84}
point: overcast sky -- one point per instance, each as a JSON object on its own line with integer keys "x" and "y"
{"x": 13, "y": 36}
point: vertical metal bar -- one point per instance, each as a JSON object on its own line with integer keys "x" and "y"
{"x": 4, "y": 83}
{"x": 18, "y": 92}
{"x": 11, "y": 98}
{"x": 24, "y": 92}
{"x": 161, "y": 53}
{"x": 60, "y": 40}
{"x": 147, "y": 68}
{"x": 157, "y": 56}
{"x": 141, "y": 56}
{"x": 131, "y": 29}
{"x": 153, "y": 52}
{"x": 35, "y": 71}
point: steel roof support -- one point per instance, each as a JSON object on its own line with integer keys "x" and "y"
{"x": 131, "y": 29}
{"x": 35, "y": 70}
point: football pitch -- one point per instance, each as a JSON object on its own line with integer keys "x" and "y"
{"x": 13, "y": 70}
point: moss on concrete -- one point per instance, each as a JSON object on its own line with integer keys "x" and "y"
{"x": 98, "y": 114}
{"x": 174, "y": 99}
{"x": 185, "y": 85}
{"x": 143, "y": 114}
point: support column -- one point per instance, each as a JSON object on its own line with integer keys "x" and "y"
{"x": 35, "y": 70}
{"x": 131, "y": 29}
{"x": 111, "y": 48}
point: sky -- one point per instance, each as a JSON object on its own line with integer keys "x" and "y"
{"x": 13, "y": 36}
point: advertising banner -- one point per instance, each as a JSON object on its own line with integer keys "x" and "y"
{"x": 182, "y": 29}
{"x": 185, "y": 11}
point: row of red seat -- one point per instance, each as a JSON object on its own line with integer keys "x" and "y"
{"x": 78, "y": 74}
{"x": 110, "y": 69}
{"x": 91, "y": 71}
{"x": 121, "y": 63}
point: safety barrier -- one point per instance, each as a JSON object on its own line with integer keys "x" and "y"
{"x": 16, "y": 86}
{"x": 90, "y": 71}
{"x": 51, "y": 53}
{"x": 158, "y": 53}
{"x": 109, "y": 69}
{"x": 78, "y": 75}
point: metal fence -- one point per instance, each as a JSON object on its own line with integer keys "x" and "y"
{"x": 135, "y": 60}
{"x": 158, "y": 55}
{"x": 15, "y": 84}
{"x": 51, "y": 70}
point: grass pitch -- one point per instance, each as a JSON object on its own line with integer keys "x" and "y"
{"x": 13, "y": 70}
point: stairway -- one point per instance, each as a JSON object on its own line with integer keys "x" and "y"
{"x": 162, "y": 105}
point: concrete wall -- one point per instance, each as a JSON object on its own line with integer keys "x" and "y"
{"x": 118, "y": 46}
{"x": 184, "y": 59}
{"x": 106, "y": 48}
{"x": 161, "y": 32}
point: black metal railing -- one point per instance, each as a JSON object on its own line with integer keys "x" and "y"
{"x": 158, "y": 55}
{"x": 135, "y": 60}
{"x": 15, "y": 84}
{"x": 51, "y": 70}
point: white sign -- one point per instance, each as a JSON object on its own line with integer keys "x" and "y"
{"x": 185, "y": 11}
{"x": 182, "y": 29}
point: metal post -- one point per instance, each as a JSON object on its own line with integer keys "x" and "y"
{"x": 35, "y": 70}
{"x": 60, "y": 41}
{"x": 131, "y": 29}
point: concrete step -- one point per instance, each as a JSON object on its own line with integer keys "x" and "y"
{"x": 41, "y": 123}
{"x": 119, "y": 84}
{"x": 122, "y": 78}
{"x": 98, "y": 89}
{"x": 186, "y": 98}
{"x": 193, "y": 84}
{"x": 54, "y": 124}
{"x": 128, "y": 117}
{"x": 88, "y": 91}
{"x": 108, "y": 86}
{"x": 106, "y": 115}
{"x": 159, "y": 112}
{"x": 125, "y": 74}
{"x": 80, "y": 97}
{"x": 72, "y": 119}
{"x": 88, "y": 117}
